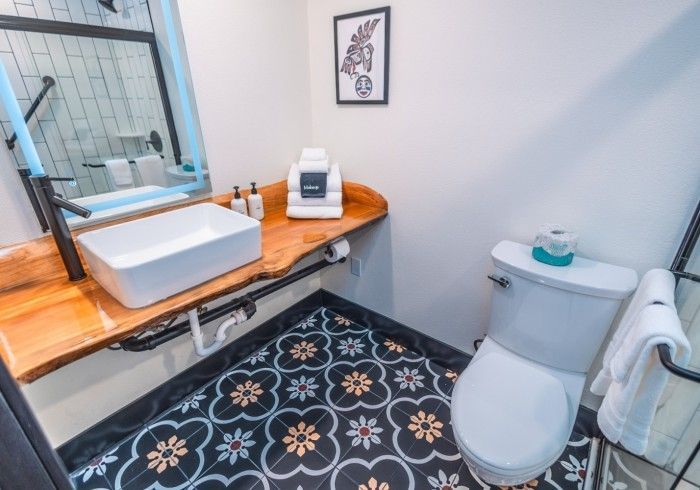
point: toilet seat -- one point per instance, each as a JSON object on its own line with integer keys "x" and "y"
{"x": 511, "y": 419}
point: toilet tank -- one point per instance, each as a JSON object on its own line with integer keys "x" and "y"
{"x": 558, "y": 316}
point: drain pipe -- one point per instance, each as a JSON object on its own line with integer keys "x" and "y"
{"x": 237, "y": 317}
{"x": 242, "y": 308}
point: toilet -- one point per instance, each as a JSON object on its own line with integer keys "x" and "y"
{"x": 514, "y": 406}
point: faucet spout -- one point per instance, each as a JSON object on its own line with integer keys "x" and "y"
{"x": 70, "y": 206}
{"x": 51, "y": 204}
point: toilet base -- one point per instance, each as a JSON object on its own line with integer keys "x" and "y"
{"x": 501, "y": 480}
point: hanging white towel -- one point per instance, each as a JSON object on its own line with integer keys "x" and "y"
{"x": 120, "y": 174}
{"x": 333, "y": 184}
{"x": 313, "y": 166}
{"x": 152, "y": 170}
{"x": 331, "y": 199}
{"x": 315, "y": 212}
{"x": 311, "y": 154}
{"x": 656, "y": 287}
{"x": 629, "y": 405}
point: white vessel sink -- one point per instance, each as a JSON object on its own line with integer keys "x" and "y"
{"x": 147, "y": 260}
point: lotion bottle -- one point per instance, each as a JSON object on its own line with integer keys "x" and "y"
{"x": 255, "y": 204}
{"x": 238, "y": 204}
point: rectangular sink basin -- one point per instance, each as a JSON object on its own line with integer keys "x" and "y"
{"x": 147, "y": 260}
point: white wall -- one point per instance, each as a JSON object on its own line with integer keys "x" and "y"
{"x": 254, "y": 109}
{"x": 249, "y": 63}
{"x": 504, "y": 115}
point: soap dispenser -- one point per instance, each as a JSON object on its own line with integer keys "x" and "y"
{"x": 255, "y": 204}
{"x": 238, "y": 204}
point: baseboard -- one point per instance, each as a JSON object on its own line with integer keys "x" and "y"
{"x": 425, "y": 345}
{"x": 98, "y": 438}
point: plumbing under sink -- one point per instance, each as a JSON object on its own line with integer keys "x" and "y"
{"x": 146, "y": 260}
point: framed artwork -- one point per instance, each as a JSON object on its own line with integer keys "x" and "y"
{"x": 362, "y": 57}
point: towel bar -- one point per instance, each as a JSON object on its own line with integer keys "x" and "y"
{"x": 667, "y": 361}
{"x": 101, "y": 165}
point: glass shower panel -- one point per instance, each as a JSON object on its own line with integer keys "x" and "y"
{"x": 104, "y": 104}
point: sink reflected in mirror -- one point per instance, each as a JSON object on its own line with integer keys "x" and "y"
{"x": 120, "y": 211}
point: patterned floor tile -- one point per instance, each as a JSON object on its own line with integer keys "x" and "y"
{"x": 301, "y": 444}
{"x": 327, "y": 405}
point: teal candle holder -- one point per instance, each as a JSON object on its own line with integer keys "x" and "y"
{"x": 541, "y": 255}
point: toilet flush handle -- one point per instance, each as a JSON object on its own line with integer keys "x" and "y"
{"x": 501, "y": 281}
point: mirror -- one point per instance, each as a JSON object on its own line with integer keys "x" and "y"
{"x": 105, "y": 97}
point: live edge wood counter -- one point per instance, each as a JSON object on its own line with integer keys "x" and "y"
{"x": 46, "y": 321}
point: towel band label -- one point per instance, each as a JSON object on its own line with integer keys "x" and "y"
{"x": 313, "y": 184}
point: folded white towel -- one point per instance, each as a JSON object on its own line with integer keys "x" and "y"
{"x": 315, "y": 212}
{"x": 657, "y": 286}
{"x": 119, "y": 173}
{"x": 311, "y": 154}
{"x": 152, "y": 170}
{"x": 333, "y": 184}
{"x": 313, "y": 166}
{"x": 629, "y": 406}
{"x": 332, "y": 199}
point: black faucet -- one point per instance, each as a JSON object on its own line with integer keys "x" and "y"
{"x": 51, "y": 204}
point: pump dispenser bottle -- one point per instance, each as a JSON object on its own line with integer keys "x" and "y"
{"x": 238, "y": 204}
{"x": 255, "y": 204}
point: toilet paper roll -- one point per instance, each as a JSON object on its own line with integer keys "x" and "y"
{"x": 338, "y": 249}
{"x": 555, "y": 240}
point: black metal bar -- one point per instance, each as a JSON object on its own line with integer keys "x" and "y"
{"x": 687, "y": 464}
{"x": 686, "y": 275}
{"x": 667, "y": 361}
{"x": 162, "y": 87}
{"x": 150, "y": 342}
{"x": 50, "y": 204}
{"x": 48, "y": 83}
{"x": 102, "y": 165}
{"x": 14, "y": 23}
{"x": 688, "y": 243}
{"x": 24, "y": 174}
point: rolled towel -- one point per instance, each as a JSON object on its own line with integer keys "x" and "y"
{"x": 315, "y": 212}
{"x": 332, "y": 199}
{"x": 313, "y": 166}
{"x": 313, "y": 154}
{"x": 152, "y": 170}
{"x": 333, "y": 184}
{"x": 119, "y": 173}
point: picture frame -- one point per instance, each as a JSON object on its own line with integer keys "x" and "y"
{"x": 362, "y": 56}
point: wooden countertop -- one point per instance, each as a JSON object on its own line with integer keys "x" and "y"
{"x": 46, "y": 321}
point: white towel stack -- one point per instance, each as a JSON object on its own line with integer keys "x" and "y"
{"x": 119, "y": 173}
{"x": 315, "y": 160}
{"x": 632, "y": 378}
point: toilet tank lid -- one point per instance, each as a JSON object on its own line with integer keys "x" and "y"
{"x": 582, "y": 276}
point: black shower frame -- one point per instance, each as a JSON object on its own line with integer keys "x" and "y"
{"x": 43, "y": 26}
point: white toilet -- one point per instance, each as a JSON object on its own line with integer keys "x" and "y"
{"x": 514, "y": 406}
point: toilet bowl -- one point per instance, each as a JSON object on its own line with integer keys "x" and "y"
{"x": 514, "y": 406}
{"x": 512, "y": 417}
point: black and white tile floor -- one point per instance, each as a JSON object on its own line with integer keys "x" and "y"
{"x": 329, "y": 404}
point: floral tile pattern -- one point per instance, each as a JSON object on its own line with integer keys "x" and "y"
{"x": 329, "y": 404}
